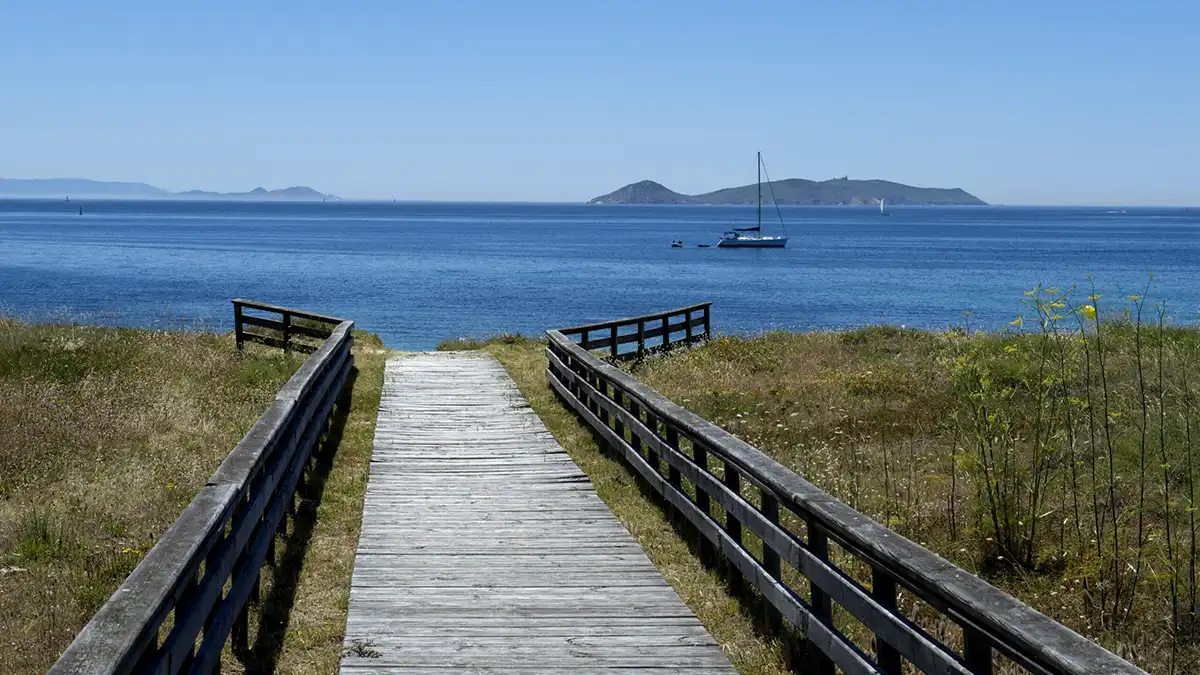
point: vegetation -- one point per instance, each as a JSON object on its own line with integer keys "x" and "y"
{"x": 1057, "y": 459}
{"x": 796, "y": 191}
{"x": 106, "y": 434}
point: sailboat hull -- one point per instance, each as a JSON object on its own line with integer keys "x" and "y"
{"x": 753, "y": 242}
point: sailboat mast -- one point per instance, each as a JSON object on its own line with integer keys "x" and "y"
{"x": 758, "y": 214}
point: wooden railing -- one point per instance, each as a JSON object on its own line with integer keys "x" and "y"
{"x": 730, "y": 492}
{"x": 647, "y": 334}
{"x": 191, "y": 589}
{"x": 280, "y": 332}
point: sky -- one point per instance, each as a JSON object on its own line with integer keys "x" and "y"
{"x": 1048, "y": 102}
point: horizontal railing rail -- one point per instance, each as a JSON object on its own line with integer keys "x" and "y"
{"x": 726, "y": 489}
{"x": 189, "y": 595}
{"x": 650, "y": 333}
{"x": 284, "y": 329}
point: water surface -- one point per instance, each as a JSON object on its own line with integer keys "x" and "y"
{"x": 418, "y": 273}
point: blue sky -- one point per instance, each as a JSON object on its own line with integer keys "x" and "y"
{"x": 1051, "y": 102}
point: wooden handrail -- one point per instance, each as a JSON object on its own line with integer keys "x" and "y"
{"x": 203, "y": 571}
{"x": 648, "y": 429}
{"x": 611, "y": 336}
{"x": 285, "y": 326}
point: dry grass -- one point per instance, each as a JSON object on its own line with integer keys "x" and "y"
{"x": 105, "y": 435}
{"x": 981, "y": 448}
{"x": 993, "y": 450}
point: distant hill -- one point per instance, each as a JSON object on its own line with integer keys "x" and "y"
{"x": 60, "y": 187}
{"x": 297, "y": 193}
{"x": 94, "y": 189}
{"x": 838, "y": 191}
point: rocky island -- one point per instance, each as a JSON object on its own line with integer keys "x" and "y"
{"x": 834, "y": 192}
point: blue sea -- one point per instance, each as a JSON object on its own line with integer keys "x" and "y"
{"x": 419, "y": 272}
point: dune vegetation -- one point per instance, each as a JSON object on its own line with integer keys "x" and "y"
{"x": 1057, "y": 459}
{"x": 105, "y": 436}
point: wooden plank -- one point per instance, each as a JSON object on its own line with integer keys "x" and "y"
{"x": 485, "y": 548}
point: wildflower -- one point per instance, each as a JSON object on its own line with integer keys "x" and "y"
{"x": 1094, "y": 298}
{"x": 1089, "y": 311}
{"x": 1030, "y": 294}
{"x": 1017, "y": 322}
{"x": 1053, "y": 291}
{"x": 1135, "y": 298}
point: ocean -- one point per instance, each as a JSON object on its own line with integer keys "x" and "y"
{"x": 417, "y": 273}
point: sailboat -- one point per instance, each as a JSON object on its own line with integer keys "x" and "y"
{"x": 882, "y": 209}
{"x": 751, "y": 237}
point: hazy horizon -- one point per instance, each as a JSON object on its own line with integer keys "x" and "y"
{"x": 539, "y": 102}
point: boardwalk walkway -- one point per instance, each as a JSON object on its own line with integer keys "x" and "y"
{"x": 485, "y": 549}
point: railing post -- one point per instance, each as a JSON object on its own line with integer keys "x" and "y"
{"x": 641, "y": 338}
{"x": 237, "y": 324}
{"x": 673, "y": 475}
{"x": 733, "y": 526}
{"x": 977, "y": 652}
{"x": 612, "y": 349}
{"x": 707, "y": 324}
{"x": 636, "y": 411}
{"x": 618, "y": 423}
{"x": 602, "y": 387}
{"x": 822, "y": 604}
{"x": 700, "y": 458}
{"x": 666, "y": 333}
{"x": 687, "y": 320}
{"x": 770, "y": 558}
{"x": 655, "y": 460}
{"x": 593, "y": 380}
{"x": 770, "y": 510}
{"x": 883, "y": 590}
{"x": 287, "y": 329}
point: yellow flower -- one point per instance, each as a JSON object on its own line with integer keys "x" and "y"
{"x": 1017, "y": 321}
{"x": 1057, "y": 304}
{"x": 1052, "y": 291}
{"x": 1094, "y": 298}
{"x": 1135, "y": 298}
{"x": 1089, "y": 311}
{"x": 1030, "y": 294}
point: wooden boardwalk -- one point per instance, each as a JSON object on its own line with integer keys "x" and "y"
{"x": 484, "y": 548}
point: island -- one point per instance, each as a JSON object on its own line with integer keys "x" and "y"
{"x": 59, "y": 188}
{"x": 835, "y": 192}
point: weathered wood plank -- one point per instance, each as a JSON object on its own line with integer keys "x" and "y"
{"x": 484, "y": 548}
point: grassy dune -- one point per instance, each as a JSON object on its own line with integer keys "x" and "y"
{"x": 106, "y": 434}
{"x": 1058, "y": 460}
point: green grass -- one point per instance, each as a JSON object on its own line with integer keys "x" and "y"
{"x": 105, "y": 436}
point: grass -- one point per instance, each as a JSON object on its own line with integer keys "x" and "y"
{"x": 106, "y": 434}
{"x": 1057, "y": 460}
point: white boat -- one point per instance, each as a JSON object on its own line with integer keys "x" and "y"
{"x": 752, "y": 237}
{"x": 882, "y": 209}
